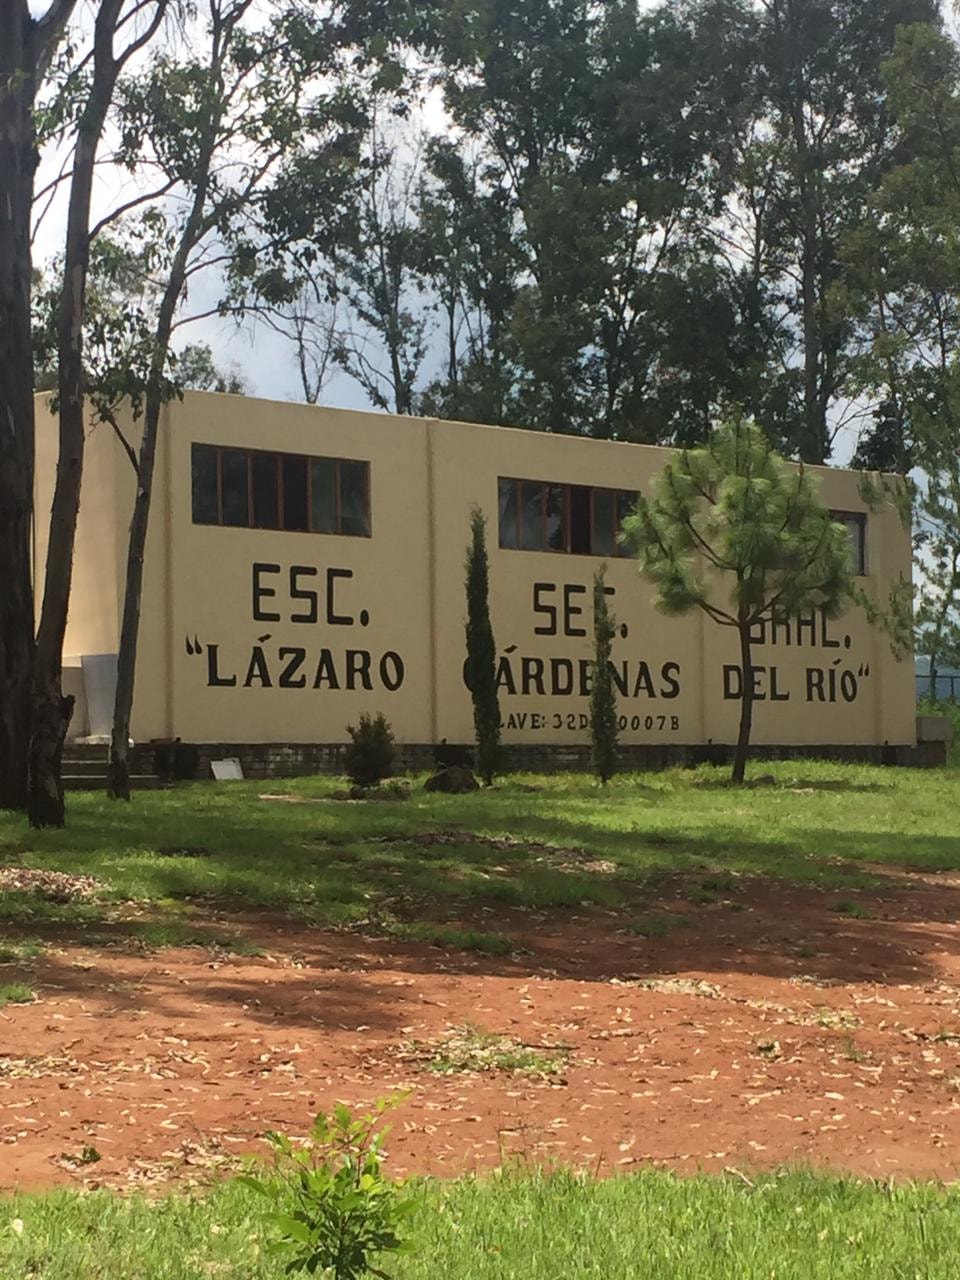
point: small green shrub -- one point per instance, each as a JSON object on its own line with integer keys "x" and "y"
{"x": 16, "y": 993}
{"x": 470, "y": 1049}
{"x": 853, "y": 909}
{"x": 656, "y": 924}
{"x": 369, "y": 757}
{"x": 697, "y": 893}
{"x": 332, "y": 1208}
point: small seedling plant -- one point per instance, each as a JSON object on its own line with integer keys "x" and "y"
{"x": 332, "y": 1209}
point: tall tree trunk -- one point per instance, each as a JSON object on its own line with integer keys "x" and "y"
{"x": 746, "y": 703}
{"x": 793, "y": 95}
{"x": 192, "y": 232}
{"x": 118, "y": 772}
{"x": 51, "y": 710}
{"x": 813, "y": 446}
{"x": 18, "y": 161}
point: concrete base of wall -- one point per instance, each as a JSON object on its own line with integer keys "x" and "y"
{"x": 289, "y": 760}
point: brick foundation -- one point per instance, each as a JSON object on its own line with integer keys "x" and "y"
{"x": 289, "y": 760}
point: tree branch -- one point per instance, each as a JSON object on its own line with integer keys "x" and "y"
{"x": 48, "y": 30}
{"x": 107, "y": 415}
{"x": 122, "y": 209}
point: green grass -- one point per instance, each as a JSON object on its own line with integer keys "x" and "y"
{"x": 514, "y": 1227}
{"x": 490, "y": 944}
{"x": 152, "y": 936}
{"x": 16, "y": 950}
{"x": 657, "y": 924}
{"x": 16, "y": 993}
{"x": 723, "y": 883}
{"x": 19, "y": 908}
{"x": 701, "y": 896}
{"x": 435, "y": 859}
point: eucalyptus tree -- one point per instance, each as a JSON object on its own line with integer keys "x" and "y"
{"x": 374, "y": 272}
{"x": 826, "y": 112}
{"x": 121, "y": 29}
{"x": 256, "y": 102}
{"x": 470, "y": 262}
{"x": 596, "y": 145}
{"x": 902, "y": 284}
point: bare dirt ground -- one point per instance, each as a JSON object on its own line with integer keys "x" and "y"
{"x": 770, "y": 1030}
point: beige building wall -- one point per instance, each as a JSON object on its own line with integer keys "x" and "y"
{"x": 264, "y": 636}
{"x": 299, "y": 680}
{"x": 107, "y": 494}
{"x": 819, "y": 682}
{"x": 93, "y": 621}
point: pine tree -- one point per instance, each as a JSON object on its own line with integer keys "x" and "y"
{"x": 603, "y": 699}
{"x": 730, "y": 529}
{"x": 481, "y": 669}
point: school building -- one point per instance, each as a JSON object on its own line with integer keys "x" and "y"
{"x": 306, "y": 564}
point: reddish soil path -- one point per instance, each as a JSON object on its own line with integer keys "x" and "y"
{"x": 781, "y": 1031}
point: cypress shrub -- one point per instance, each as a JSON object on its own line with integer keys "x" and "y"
{"x": 481, "y": 667}
{"x": 603, "y": 698}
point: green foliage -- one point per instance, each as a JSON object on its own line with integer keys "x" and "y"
{"x": 333, "y": 1210}
{"x": 636, "y": 218}
{"x": 825, "y": 142}
{"x": 731, "y": 529}
{"x": 603, "y": 698}
{"x": 196, "y": 369}
{"x": 368, "y": 757}
{"x": 903, "y": 282}
{"x": 119, "y": 314}
{"x": 480, "y": 670}
{"x": 929, "y": 707}
{"x": 527, "y": 1225}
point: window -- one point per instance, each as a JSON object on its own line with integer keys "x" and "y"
{"x": 855, "y": 523}
{"x": 255, "y": 489}
{"x": 574, "y": 518}
{"x": 206, "y": 484}
{"x": 235, "y": 487}
{"x": 354, "y": 506}
{"x": 265, "y": 489}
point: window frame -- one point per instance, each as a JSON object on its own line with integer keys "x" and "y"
{"x": 861, "y": 567}
{"x": 566, "y": 487}
{"x": 278, "y": 457}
